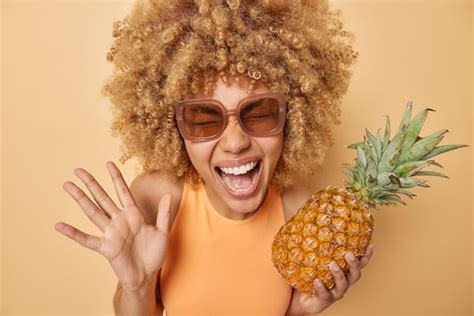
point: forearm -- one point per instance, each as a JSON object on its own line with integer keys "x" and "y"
{"x": 141, "y": 302}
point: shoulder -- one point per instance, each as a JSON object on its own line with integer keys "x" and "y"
{"x": 149, "y": 187}
{"x": 293, "y": 197}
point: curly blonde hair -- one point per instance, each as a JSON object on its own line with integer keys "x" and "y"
{"x": 164, "y": 50}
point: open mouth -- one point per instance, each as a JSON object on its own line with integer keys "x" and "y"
{"x": 241, "y": 182}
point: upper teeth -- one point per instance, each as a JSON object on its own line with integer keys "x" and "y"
{"x": 239, "y": 170}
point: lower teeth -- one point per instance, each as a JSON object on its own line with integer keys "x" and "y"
{"x": 227, "y": 181}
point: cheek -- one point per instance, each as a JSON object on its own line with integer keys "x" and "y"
{"x": 199, "y": 154}
{"x": 272, "y": 147}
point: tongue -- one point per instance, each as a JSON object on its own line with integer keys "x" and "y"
{"x": 240, "y": 182}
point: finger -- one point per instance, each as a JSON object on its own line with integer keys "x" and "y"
{"x": 121, "y": 187}
{"x": 86, "y": 240}
{"x": 354, "y": 273}
{"x": 368, "y": 253}
{"x": 92, "y": 211}
{"x": 322, "y": 291}
{"x": 163, "y": 217}
{"x": 340, "y": 281}
{"x": 100, "y": 196}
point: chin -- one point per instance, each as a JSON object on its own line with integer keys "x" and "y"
{"x": 247, "y": 206}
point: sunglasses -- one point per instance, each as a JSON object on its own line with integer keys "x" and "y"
{"x": 206, "y": 119}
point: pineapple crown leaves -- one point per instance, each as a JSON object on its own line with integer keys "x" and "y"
{"x": 384, "y": 167}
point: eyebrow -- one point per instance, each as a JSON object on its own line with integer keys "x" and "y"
{"x": 250, "y": 106}
{"x": 207, "y": 110}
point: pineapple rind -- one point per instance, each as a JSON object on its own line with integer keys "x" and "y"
{"x": 329, "y": 224}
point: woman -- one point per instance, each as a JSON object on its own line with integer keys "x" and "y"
{"x": 225, "y": 104}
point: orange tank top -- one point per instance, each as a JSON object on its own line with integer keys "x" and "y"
{"x": 218, "y": 266}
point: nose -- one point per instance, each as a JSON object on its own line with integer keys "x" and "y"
{"x": 234, "y": 139}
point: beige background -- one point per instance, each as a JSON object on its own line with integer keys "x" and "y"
{"x": 54, "y": 120}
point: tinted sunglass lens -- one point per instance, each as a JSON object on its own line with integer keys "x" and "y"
{"x": 202, "y": 120}
{"x": 260, "y": 116}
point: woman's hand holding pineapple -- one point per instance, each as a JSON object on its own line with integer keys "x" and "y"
{"x": 134, "y": 249}
{"x": 303, "y": 303}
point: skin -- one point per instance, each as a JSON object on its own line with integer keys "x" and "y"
{"x": 134, "y": 249}
{"x": 231, "y": 145}
{"x": 304, "y": 303}
{"x": 134, "y": 238}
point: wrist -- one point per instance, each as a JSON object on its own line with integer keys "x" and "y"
{"x": 142, "y": 289}
{"x": 138, "y": 300}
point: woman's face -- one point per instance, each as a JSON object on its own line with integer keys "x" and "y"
{"x": 235, "y": 196}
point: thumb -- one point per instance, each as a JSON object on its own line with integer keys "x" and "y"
{"x": 163, "y": 216}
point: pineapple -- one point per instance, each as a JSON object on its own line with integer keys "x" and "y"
{"x": 334, "y": 221}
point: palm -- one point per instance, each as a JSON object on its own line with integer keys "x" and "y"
{"x": 310, "y": 303}
{"x": 303, "y": 303}
{"x": 134, "y": 248}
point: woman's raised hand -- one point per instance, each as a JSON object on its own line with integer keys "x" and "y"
{"x": 134, "y": 249}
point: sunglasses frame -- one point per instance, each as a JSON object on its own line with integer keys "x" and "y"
{"x": 280, "y": 97}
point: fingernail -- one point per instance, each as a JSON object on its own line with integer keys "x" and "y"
{"x": 350, "y": 256}
{"x": 319, "y": 283}
{"x": 334, "y": 266}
